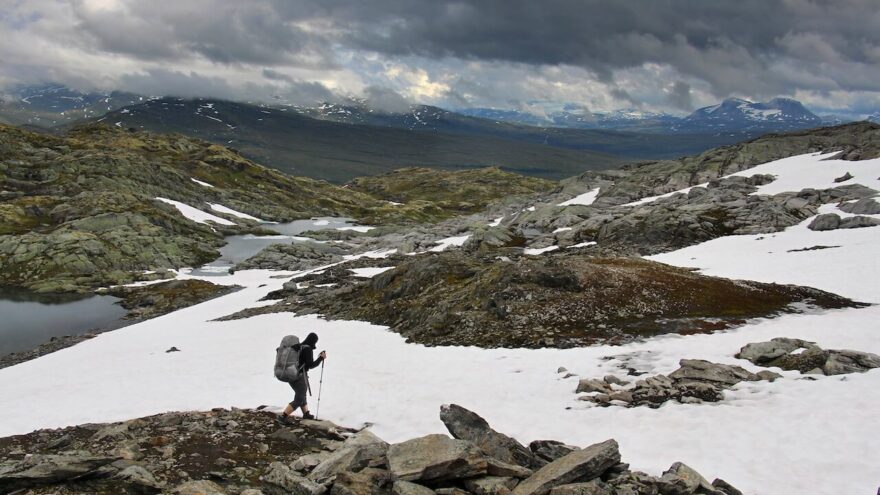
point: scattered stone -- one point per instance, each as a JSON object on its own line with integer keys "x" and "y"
{"x": 768, "y": 376}
{"x": 435, "y": 458}
{"x": 200, "y": 487}
{"x": 561, "y": 369}
{"x": 595, "y": 487}
{"x": 582, "y": 465}
{"x": 173, "y": 349}
{"x": 685, "y": 479}
{"x": 843, "y": 178}
{"x": 143, "y": 480}
{"x": 590, "y": 385}
{"x": 309, "y": 461}
{"x": 725, "y": 487}
{"x": 467, "y": 425}
{"x": 613, "y": 380}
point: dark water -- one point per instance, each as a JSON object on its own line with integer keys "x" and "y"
{"x": 241, "y": 247}
{"x": 28, "y": 319}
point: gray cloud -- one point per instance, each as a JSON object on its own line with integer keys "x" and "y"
{"x": 386, "y": 99}
{"x": 827, "y": 52}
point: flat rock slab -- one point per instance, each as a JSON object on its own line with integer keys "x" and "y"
{"x": 714, "y": 373}
{"x": 435, "y": 458}
{"x": 43, "y": 469}
{"x": 580, "y": 465}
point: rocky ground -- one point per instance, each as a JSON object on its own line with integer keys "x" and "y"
{"x": 505, "y": 299}
{"x": 79, "y": 211}
{"x": 249, "y": 452}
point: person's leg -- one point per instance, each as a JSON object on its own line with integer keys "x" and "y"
{"x": 299, "y": 400}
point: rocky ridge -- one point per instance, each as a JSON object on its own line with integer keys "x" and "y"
{"x": 567, "y": 300}
{"x": 249, "y": 452}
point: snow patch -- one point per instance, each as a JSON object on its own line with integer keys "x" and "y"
{"x": 230, "y": 211}
{"x": 585, "y": 199}
{"x": 443, "y": 244}
{"x": 195, "y": 214}
{"x": 197, "y": 181}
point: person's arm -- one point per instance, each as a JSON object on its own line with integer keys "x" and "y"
{"x": 307, "y": 359}
{"x": 318, "y": 361}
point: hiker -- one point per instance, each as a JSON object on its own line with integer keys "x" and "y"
{"x": 300, "y": 386}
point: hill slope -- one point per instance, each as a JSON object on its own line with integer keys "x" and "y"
{"x": 338, "y": 152}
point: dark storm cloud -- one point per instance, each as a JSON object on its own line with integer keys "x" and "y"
{"x": 756, "y": 48}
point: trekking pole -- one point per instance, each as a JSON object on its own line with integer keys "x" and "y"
{"x": 320, "y": 382}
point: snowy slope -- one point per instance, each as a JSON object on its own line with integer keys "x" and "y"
{"x": 792, "y": 436}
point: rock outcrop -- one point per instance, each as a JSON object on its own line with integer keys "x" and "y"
{"x": 248, "y": 452}
{"x": 564, "y": 300}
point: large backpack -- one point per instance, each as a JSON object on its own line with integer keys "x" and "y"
{"x": 287, "y": 359}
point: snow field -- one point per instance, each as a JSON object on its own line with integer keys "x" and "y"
{"x": 793, "y": 436}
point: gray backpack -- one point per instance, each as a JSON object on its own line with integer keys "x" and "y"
{"x": 287, "y": 359}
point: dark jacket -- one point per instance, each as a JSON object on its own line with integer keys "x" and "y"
{"x": 307, "y": 359}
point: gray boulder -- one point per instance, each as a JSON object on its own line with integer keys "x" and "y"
{"x": 699, "y": 370}
{"x": 43, "y": 469}
{"x": 846, "y": 361}
{"x": 282, "y": 476}
{"x": 827, "y": 221}
{"x": 580, "y": 465}
{"x": 866, "y": 206}
{"x": 762, "y": 353}
{"x": 858, "y": 222}
{"x": 803, "y": 356}
{"x": 590, "y": 385}
{"x": 467, "y": 425}
{"x": 361, "y": 450}
{"x": 435, "y": 458}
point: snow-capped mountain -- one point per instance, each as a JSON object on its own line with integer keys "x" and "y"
{"x": 54, "y": 104}
{"x": 736, "y": 113}
{"x": 733, "y": 114}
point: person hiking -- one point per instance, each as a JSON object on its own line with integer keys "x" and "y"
{"x": 300, "y": 386}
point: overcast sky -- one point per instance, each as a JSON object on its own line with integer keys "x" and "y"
{"x": 655, "y": 55}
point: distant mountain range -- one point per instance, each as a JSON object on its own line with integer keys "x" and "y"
{"x": 338, "y": 142}
{"x": 731, "y": 115}
{"x": 53, "y": 104}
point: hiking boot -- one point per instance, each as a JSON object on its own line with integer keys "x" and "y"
{"x": 308, "y": 416}
{"x": 283, "y": 420}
